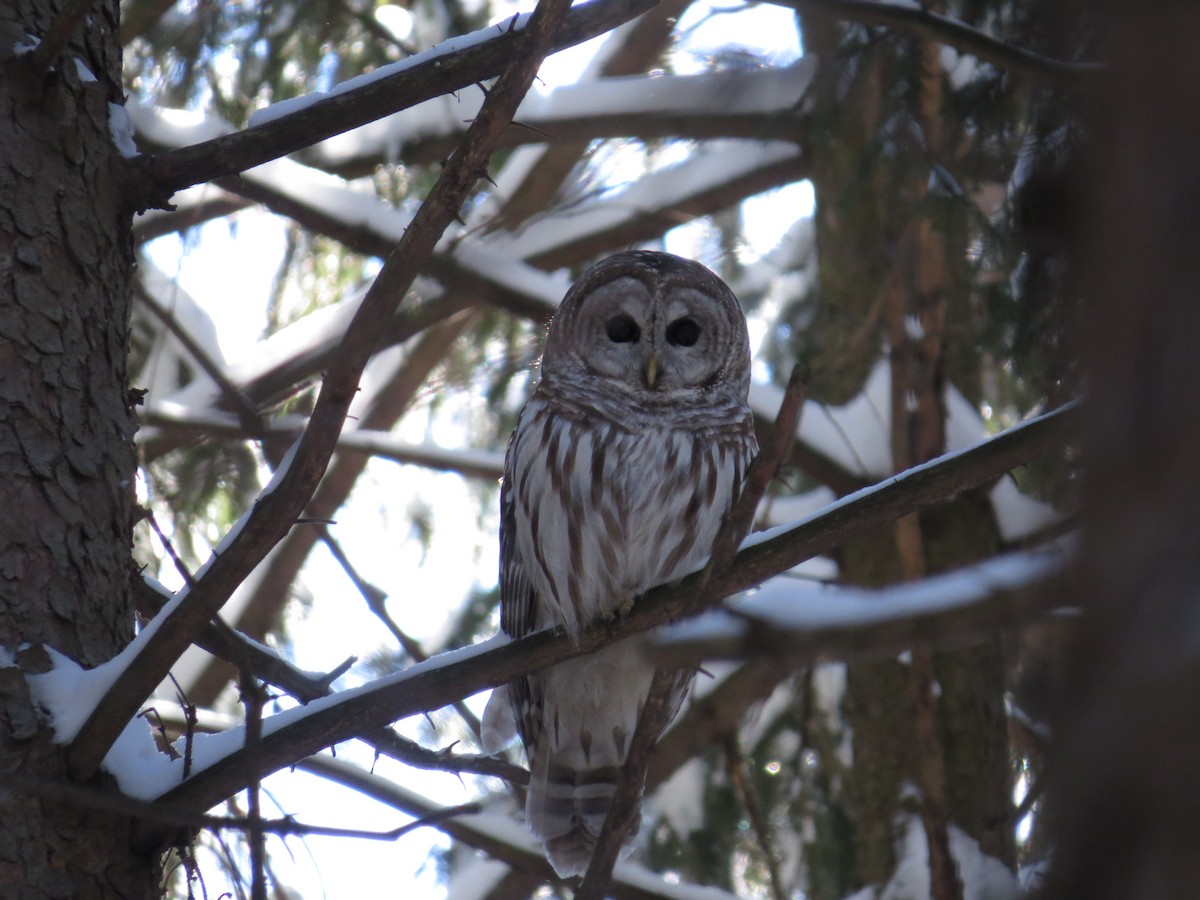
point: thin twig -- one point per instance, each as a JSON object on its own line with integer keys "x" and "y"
{"x": 169, "y": 547}
{"x": 626, "y": 799}
{"x": 739, "y": 776}
{"x": 942, "y": 29}
{"x": 376, "y": 600}
{"x": 246, "y": 412}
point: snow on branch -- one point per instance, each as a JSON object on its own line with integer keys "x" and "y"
{"x": 716, "y": 176}
{"x": 370, "y": 225}
{"x": 848, "y": 446}
{"x": 295, "y": 734}
{"x": 753, "y": 103}
{"x": 155, "y": 650}
{"x": 802, "y": 623}
{"x": 932, "y": 26}
{"x": 450, "y": 66}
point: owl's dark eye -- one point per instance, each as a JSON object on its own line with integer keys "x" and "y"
{"x": 621, "y": 329}
{"x": 683, "y": 332}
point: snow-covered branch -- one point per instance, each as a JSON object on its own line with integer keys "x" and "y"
{"x": 758, "y": 104}
{"x": 800, "y": 624}
{"x": 295, "y": 734}
{"x": 715, "y": 177}
{"x": 450, "y": 66}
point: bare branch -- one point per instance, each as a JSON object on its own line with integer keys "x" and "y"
{"x": 485, "y": 464}
{"x": 931, "y": 26}
{"x": 444, "y": 71}
{"x": 707, "y": 718}
{"x": 462, "y": 673}
{"x": 764, "y": 467}
{"x": 491, "y": 833}
{"x": 161, "y": 643}
{"x": 625, "y": 805}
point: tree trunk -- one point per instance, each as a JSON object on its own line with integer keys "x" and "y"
{"x": 884, "y": 239}
{"x": 66, "y": 454}
{"x": 1124, "y": 813}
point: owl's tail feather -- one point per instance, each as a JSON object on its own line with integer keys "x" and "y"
{"x": 566, "y": 808}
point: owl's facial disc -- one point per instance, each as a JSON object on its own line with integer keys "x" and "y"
{"x": 651, "y": 340}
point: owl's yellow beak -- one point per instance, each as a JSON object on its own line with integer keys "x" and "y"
{"x": 651, "y": 370}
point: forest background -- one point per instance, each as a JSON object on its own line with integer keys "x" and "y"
{"x": 953, "y": 217}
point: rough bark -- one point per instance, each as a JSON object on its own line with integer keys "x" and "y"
{"x": 66, "y": 453}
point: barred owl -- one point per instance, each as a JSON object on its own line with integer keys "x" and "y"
{"x": 626, "y": 457}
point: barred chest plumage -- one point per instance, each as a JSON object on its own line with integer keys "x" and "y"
{"x": 609, "y": 512}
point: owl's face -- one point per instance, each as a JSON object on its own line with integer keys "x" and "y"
{"x": 655, "y": 324}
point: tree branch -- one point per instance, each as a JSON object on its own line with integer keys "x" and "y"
{"x": 931, "y": 26}
{"x": 161, "y": 643}
{"x": 235, "y": 648}
{"x": 626, "y": 804}
{"x": 465, "y": 672}
{"x": 437, "y": 71}
{"x": 485, "y": 464}
{"x": 956, "y": 608}
{"x": 491, "y": 833}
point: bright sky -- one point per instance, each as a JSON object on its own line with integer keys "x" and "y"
{"x": 229, "y": 271}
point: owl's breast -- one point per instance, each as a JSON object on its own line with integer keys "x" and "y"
{"x": 605, "y": 514}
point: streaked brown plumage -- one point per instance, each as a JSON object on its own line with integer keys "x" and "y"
{"x": 624, "y": 461}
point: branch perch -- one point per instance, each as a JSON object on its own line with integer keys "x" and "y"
{"x": 450, "y": 677}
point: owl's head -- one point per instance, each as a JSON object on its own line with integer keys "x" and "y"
{"x": 657, "y": 325}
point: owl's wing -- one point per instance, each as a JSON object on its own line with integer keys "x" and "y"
{"x": 518, "y": 604}
{"x": 518, "y": 617}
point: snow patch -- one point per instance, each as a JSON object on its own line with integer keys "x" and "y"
{"x": 120, "y": 129}
{"x": 85, "y": 74}
{"x": 680, "y": 799}
{"x": 983, "y": 877}
{"x": 68, "y": 693}
{"x": 30, "y": 43}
